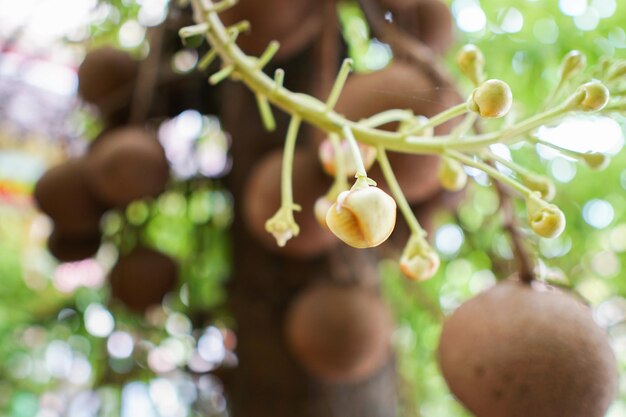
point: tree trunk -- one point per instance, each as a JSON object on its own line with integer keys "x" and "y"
{"x": 268, "y": 382}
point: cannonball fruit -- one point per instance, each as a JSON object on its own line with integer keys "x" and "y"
{"x": 400, "y": 86}
{"x": 71, "y": 248}
{"x": 339, "y": 334}
{"x": 518, "y": 350}
{"x": 64, "y": 194}
{"x": 126, "y": 165}
{"x": 106, "y": 72}
{"x": 142, "y": 278}
{"x": 293, "y": 23}
{"x": 262, "y": 198}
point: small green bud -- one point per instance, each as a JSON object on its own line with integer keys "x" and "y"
{"x": 491, "y": 99}
{"x": 591, "y": 96}
{"x": 471, "y": 61}
{"x": 617, "y": 71}
{"x": 573, "y": 63}
{"x": 596, "y": 160}
{"x": 452, "y": 175}
{"x": 541, "y": 184}
{"x": 547, "y": 220}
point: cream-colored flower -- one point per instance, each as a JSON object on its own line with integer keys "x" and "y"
{"x": 282, "y": 226}
{"x": 329, "y": 158}
{"x": 451, "y": 175}
{"x": 491, "y": 99}
{"x": 362, "y": 217}
{"x": 419, "y": 261}
{"x": 471, "y": 61}
{"x": 547, "y": 220}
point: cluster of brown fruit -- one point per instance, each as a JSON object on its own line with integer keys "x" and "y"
{"x": 122, "y": 165}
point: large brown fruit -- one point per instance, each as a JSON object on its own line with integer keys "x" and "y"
{"x": 64, "y": 194}
{"x": 107, "y": 78}
{"x": 262, "y": 198}
{"x": 294, "y": 23}
{"x": 71, "y": 248}
{"x": 126, "y": 165}
{"x": 339, "y": 334}
{"x": 142, "y": 278}
{"x": 400, "y": 86}
{"x": 522, "y": 351}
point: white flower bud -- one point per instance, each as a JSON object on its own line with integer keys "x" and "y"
{"x": 547, "y": 220}
{"x": 491, "y": 99}
{"x": 362, "y": 217}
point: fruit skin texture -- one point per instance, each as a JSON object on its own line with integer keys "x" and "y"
{"x": 64, "y": 194}
{"x": 69, "y": 248}
{"x": 126, "y": 165}
{"x": 339, "y": 334}
{"x": 142, "y": 278}
{"x": 522, "y": 351}
{"x": 107, "y": 74}
{"x": 262, "y": 196}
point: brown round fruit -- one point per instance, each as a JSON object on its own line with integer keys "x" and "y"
{"x": 339, "y": 334}
{"x": 262, "y": 198}
{"x": 400, "y": 86}
{"x": 71, "y": 248}
{"x": 64, "y": 194}
{"x": 142, "y": 278}
{"x": 518, "y": 350}
{"x": 126, "y": 165}
{"x": 107, "y": 75}
{"x": 293, "y": 23}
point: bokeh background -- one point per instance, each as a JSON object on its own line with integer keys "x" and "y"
{"x": 66, "y": 350}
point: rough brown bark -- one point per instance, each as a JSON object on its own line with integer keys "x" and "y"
{"x": 268, "y": 382}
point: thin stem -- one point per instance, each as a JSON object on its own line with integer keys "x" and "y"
{"x": 398, "y": 195}
{"x": 269, "y": 53}
{"x": 356, "y": 153}
{"x": 340, "y": 166}
{"x": 388, "y": 116}
{"x": 441, "y": 118}
{"x": 316, "y": 112}
{"x": 491, "y": 171}
{"x": 567, "y": 152}
{"x": 520, "y": 170}
{"x": 287, "y": 168}
{"x": 342, "y": 77}
{"x": 267, "y": 117}
{"x": 464, "y": 126}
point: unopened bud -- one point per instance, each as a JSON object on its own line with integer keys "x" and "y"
{"x": 419, "y": 261}
{"x": 451, "y": 174}
{"x": 546, "y": 219}
{"x": 363, "y": 217}
{"x": 596, "y": 160}
{"x": 592, "y": 96}
{"x": 573, "y": 63}
{"x": 329, "y": 159}
{"x": 541, "y": 184}
{"x": 471, "y": 61}
{"x": 493, "y": 98}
